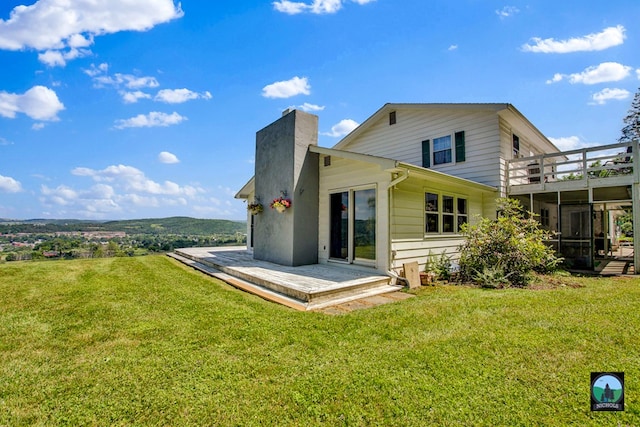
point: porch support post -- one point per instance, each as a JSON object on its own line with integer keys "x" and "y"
{"x": 635, "y": 199}
{"x": 635, "y": 207}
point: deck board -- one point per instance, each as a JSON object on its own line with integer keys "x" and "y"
{"x": 313, "y": 285}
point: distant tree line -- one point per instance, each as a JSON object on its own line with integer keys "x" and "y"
{"x": 68, "y": 240}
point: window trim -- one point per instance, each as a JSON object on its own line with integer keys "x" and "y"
{"x": 441, "y": 214}
{"x": 457, "y": 150}
{"x": 351, "y": 258}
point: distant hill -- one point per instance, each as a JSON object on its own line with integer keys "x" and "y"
{"x": 175, "y": 225}
{"x": 172, "y": 225}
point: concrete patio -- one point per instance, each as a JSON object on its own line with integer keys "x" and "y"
{"x": 308, "y": 287}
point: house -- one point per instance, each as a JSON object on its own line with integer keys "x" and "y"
{"x": 398, "y": 187}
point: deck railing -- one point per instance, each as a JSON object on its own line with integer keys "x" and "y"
{"x": 606, "y": 161}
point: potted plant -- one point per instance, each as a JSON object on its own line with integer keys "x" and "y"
{"x": 255, "y": 207}
{"x": 429, "y": 275}
{"x": 281, "y": 204}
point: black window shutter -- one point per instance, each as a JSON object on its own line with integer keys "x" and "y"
{"x": 426, "y": 154}
{"x": 460, "y": 154}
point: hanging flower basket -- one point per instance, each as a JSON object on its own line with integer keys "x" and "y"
{"x": 281, "y": 204}
{"x": 255, "y": 208}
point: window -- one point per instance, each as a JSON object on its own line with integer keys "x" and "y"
{"x": 462, "y": 213}
{"x": 445, "y": 217}
{"x": 432, "y": 215}
{"x": 544, "y": 217}
{"x": 442, "y": 150}
{"x": 448, "y": 214}
{"x": 392, "y": 118}
{"x": 352, "y": 229}
{"x": 516, "y": 146}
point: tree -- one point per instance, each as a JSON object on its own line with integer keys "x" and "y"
{"x": 631, "y": 130}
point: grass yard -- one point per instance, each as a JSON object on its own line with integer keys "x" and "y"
{"x": 147, "y": 341}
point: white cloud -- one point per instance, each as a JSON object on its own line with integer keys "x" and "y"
{"x": 290, "y": 8}
{"x": 134, "y": 180}
{"x": 453, "y": 47}
{"x": 129, "y": 86}
{"x": 56, "y": 25}
{"x": 317, "y": 6}
{"x": 38, "y": 126}
{"x": 153, "y": 119}
{"x": 9, "y": 185}
{"x": 133, "y": 97}
{"x": 4, "y": 141}
{"x": 602, "y": 73}
{"x": 127, "y": 80}
{"x": 608, "y": 94}
{"x": 178, "y": 96}
{"x": 507, "y": 12}
{"x": 609, "y": 37}
{"x": 95, "y": 202}
{"x": 169, "y": 158}
{"x": 97, "y": 70}
{"x": 342, "y": 128}
{"x": 39, "y": 103}
{"x": 567, "y": 143}
{"x": 287, "y": 88}
{"x": 310, "y": 107}
{"x": 127, "y": 191}
{"x": 61, "y": 195}
{"x": 59, "y": 58}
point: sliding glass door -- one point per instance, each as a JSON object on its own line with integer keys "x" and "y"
{"x": 353, "y": 225}
{"x": 339, "y": 217}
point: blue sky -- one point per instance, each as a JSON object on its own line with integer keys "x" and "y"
{"x": 114, "y": 111}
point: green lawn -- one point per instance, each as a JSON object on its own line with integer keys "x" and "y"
{"x": 147, "y": 341}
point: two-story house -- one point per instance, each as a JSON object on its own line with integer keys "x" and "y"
{"x": 399, "y": 186}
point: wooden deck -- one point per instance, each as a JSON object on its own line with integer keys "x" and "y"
{"x": 308, "y": 287}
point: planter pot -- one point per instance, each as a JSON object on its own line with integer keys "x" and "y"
{"x": 427, "y": 278}
{"x": 280, "y": 209}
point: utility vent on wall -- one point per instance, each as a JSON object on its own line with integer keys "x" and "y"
{"x": 327, "y": 160}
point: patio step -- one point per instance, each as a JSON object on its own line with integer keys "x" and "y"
{"x": 302, "y": 288}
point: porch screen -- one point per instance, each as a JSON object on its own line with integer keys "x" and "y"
{"x": 575, "y": 236}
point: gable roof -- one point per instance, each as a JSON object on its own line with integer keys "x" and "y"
{"x": 503, "y": 109}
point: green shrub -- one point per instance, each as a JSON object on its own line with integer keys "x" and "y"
{"x": 511, "y": 246}
{"x": 494, "y": 277}
{"x": 439, "y": 265}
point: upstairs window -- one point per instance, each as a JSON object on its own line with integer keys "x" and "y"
{"x": 392, "y": 118}
{"x": 442, "y": 150}
{"x": 516, "y": 146}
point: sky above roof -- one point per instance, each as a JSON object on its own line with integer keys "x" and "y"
{"x": 118, "y": 109}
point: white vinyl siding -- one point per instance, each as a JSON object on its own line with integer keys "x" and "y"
{"x": 408, "y": 239}
{"x": 344, "y": 175}
{"x": 403, "y": 141}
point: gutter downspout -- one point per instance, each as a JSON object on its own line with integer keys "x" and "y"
{"x": 403, "y": 175}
